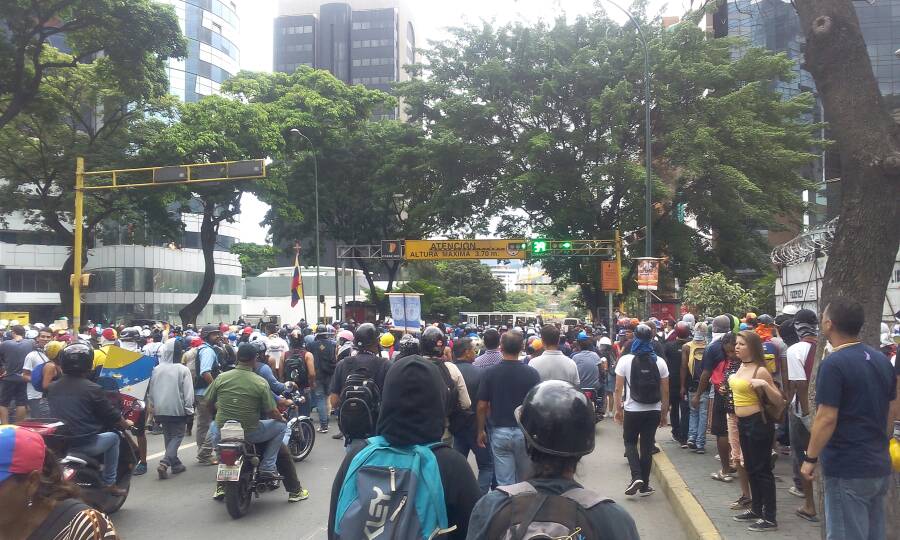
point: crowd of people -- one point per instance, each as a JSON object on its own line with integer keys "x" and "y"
{"x": 517, "y": 398}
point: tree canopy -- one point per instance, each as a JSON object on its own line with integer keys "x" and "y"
{"x": 714, "y": 294}
{"x": 449, "y": 287}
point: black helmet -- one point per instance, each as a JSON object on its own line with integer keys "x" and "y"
{"x": 208, "y": 329}
{"x": 557, "y": 419}
{"x": 365, "y": 335}
{"x": 76, "y": 359}
{"x": 408, "y": 346}
{"x": 322, "y": 329}
{"x": 432, "y": 341}
{"x": 643, "y": 332}
{"x": 765, "y": 318}
{"x": 250, "y": 350}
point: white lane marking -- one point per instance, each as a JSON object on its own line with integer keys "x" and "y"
{"x": 161, "y": 454}
{"x": 317, "y": 531}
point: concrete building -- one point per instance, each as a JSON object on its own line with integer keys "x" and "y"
{"x": 364, "y": 42}
{"x": 269, "y": 293}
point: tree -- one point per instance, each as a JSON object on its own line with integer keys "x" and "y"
{"x": 214, "y": 129}
{"x": 134, "y": 37}
{"x": 714, "y": 294}
{"x": 449, "y": 287}
{"x": 38, "y": 148}
{"x": 551, "y": 116}
{"x": 255, "y": 259}
{"x": 517, "y": 301}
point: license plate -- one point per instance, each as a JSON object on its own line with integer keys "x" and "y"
{"x": 228, "y": 473}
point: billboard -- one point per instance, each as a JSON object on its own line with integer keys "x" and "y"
{"x": 431, "y": 250}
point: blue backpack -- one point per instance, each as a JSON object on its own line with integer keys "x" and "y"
{"x": 37, "y": 377}
{"x": 392, "y": 493}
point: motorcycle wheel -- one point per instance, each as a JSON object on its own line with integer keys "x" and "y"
{"x": 301, "y": 444}
{"x": 113, "y": 504}
{"x": 238, "y": 497}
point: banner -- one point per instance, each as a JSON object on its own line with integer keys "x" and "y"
{"x": 647, "y": 273}
{"x": 418, "y": 250}
{"x": 406, "y": 310}
{"x": 130, "y": 369}
{"x": 610, "y": 277}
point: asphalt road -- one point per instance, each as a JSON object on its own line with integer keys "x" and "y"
{"x": 182, "y": 507}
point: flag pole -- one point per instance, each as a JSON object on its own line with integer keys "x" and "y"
{"x": 297, "y": 260}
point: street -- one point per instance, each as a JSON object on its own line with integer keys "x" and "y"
{"x": 181, "y": 506}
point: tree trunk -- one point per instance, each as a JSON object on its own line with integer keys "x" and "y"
{"x": 209, "y": 231}
{"x": 865, "y": 244}
{"x": 64, "y": 286}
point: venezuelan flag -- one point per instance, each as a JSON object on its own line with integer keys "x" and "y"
{"x": 296, "y": 282}
{"x": 130, "y": 369}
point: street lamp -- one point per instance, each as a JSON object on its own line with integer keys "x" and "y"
{"x": 296, "y": 132}
{"x": 648, "y": 217}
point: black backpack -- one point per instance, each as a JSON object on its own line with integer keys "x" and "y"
{"x": 227, "y": 357}
{"x": 295, "y": 368}
{"x": 529, "y": 514}
{"x": 644, "y": 380}
{"x": 458, "y": 419}
{"x": 360, "y": 401}
{"x": 323, "y": 352}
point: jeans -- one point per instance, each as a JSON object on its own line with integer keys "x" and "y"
{"x": 511, "y": 462}
{"x": 640, "y": 425}
{"x": 38, "y": 408}
{"x": 756, "y": 446}
{"x": 107, "y": 444}
{"x": 675, "y": 413}
{"x": 204, "y": 441}
{"x": 854, "y": 508}
{"x": 173, "y": 435}
{"x": 697, "y": 425}
{"x": 466, "y": 441}
{"x": 270, "y": 432}
{"x": 799, "y": 435}
{"x": 319, "y": 400}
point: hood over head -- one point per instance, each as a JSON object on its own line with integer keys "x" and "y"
{"x": 167, "y": 351}
{"x": 412, "y": 403}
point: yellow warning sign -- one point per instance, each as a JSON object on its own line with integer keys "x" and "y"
{"x": 419, "y": 250}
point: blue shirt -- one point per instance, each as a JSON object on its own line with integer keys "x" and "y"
{"x": 588, "y": 372}
{"x": 206, "y": 358}
{"x": 713, "y": 355}
{"x": 488, "y": 358}
{"x": 264, "y": 371}
{"x": 860, "y": 382}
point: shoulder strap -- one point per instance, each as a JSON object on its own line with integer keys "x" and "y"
{"x": 58, "y": 519}
{"x": 522, "y": 529}
{"x": 585, "y": 497}
{"x": 517, "y": 489}
{"x": 810, "y": 357}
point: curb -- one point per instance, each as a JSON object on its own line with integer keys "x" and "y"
{"x": 694, "y": 519}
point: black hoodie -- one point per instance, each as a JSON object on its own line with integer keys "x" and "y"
{"x": 412, "y": 412}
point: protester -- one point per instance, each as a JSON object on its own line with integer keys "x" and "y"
{"x": 801, "y": 357}
{"x": 324, "y": 351}
{"x": 34, "y": 361}
{"x": 854, "y": 390}
{"x": 207, "y": 369}
{"x": 734, "y": 438}
{"x": 466, "y": 439}
{"x": 13, "y": 387}
{"x": 171, "y": 395}
{"x": 674, "y": 352}
{"x": 491, "y": 355}
{"x": 607, "y": 373}
{"x": 37, "y": 502}
{"x": 645, "y": 375}
{"x": 557, "y": 422}
{"x": 412, "y": 417}
{"x": 368, "y": 365}
{"x": 587, "y": 362}
{"x": 503, "y": 387}
{"x": 553, "y": 364}
{"x": 691, "y": 369}
{"x": 713, "y": 371}
{"x": 757, "y": 432}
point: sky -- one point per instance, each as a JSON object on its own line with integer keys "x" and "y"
{"x": 431, "y": 18}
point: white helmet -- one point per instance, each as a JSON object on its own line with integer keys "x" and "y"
{"x": 790, "y": 309}
{"x": 605, "y": 341}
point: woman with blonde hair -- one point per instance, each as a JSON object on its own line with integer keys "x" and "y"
{"x": 756, "y": 432}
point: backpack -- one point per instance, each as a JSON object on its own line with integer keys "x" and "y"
{"x": 226, "y": 356}
{"x": 37, "y": 375}
{"x": 323, "y": 353}
{"x": 295, "y": 368}
{"x": 458, "y": 419}
{"x": 58, "y": 519}
{"x": 392, "y": 493}
{"x": 360, "y": 399}
{"x": 200, "y": 382}
{"x": 529, "y": 514}
{"x": 695, "y": 360}
{"x": 644, "y": 380}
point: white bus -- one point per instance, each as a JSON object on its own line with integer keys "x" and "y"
{"x": 500, "y": 318}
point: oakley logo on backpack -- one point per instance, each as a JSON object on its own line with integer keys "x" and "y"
{"x": 378, "y": 510}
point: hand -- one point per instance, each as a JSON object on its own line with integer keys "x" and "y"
{"x": 619, "y": 417}
{"x": 290, "y": 386}
{"x": 695, "y": 401}
{"x": 129, "y": 424}
{"x": 482, "y": 439}
{"x": 288, "y": 402}
{"x": 721, "y": 390}
{"x": 758, "y": 383}
{"x": 807, "y": 470}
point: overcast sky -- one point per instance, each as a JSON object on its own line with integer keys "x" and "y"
{"x": 432, "y": 17}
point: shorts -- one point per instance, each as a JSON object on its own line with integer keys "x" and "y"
{"x": 719, "y": 424}
{"x": 734, "y": 440}
{"x": 13, "y": 391}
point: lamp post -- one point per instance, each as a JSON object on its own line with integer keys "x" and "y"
{"x": 295, "y": 131}
{"x": 648, "y": 217}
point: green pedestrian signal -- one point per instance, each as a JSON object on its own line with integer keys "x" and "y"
{"x": 539, "y": 246}
{"x": 566, "y": 245}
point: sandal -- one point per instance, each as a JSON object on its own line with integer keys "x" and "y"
{"x": 812, "y": 518}
{"x": 742, "y": 503}
{"x": 721, "y": 477}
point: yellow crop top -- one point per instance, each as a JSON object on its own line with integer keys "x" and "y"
{"x": 743, "y": 392}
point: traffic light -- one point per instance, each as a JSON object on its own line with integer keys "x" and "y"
{"x": 538, "y": 247}
{"x": 565, "y": 245}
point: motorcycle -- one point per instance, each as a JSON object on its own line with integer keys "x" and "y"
{"x": 238, "y": 470}
{"x": 596, "y": 399}
{"x": 301, "y": 432}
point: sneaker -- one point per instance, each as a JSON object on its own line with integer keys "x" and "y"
{"x": 299, "y": 495}
{"x": 207, "y": 461}
{"x": 323, "y": 429}
{"x": 685, "y": 445}
{"x": 796, "y": 492}
{"x": 646, "y": 491}
{"x": 139, "y": 469}
{"x": 219, "y": 493}
{"x": 721, "y": 477}
{"x": 763, "y": 525}
{"x": 746, "y": 516}
{"x": 692, "y": 445}
{"x": 634, "y": 486}
{"x": 742, "y": 503}
{"x": 115, "y": 491}
{"x": 268, "y": 475}
{"x": 700, "y": 451}
{"x": 337, "y": 436}
{"x": 162, "y": 471}
{"x": 178, "y": 469}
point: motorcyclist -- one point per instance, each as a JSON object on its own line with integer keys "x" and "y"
{"x": 243, "y": 396}
{"x": 87, "y": 413}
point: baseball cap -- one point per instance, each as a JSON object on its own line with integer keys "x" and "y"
{"x": 21, "y": 451}
{"x": 109, "y": 334}
{"x": 790, "y": 309}
{"x": 806, "y": 316}
{"x": 247, "y": 330}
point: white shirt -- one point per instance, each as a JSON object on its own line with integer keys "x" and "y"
{"x": 796, "y": 359}
{"x": 152, "y": 349}
{"x": 33, "y": 360}
{"x": 276, "y": 348}
{"x": 554, "y": 365}
{"x": 623, "y": 368}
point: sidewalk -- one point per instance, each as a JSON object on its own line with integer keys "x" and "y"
{"x": 715, "y": 496}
